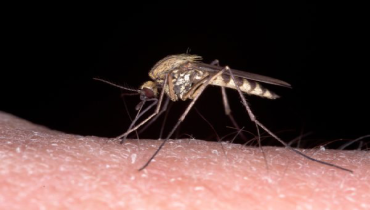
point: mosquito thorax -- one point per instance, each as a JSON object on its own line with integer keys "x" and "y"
{"x": 148, "y": 90}
{"x": 170, "y": 63}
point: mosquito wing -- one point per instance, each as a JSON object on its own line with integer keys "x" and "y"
{"x": 243, "y": 74}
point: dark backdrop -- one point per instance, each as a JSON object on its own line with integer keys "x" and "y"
{"x": 52, "y": 52}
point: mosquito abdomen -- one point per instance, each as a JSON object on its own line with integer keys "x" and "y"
{"x": 246, "y": 86}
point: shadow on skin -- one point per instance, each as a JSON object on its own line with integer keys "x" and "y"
{"x": 41, "y": 168}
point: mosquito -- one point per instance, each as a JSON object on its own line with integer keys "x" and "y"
{"x": 185, "y": 77}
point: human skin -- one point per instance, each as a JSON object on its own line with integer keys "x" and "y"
{"x": 45, "y": 169}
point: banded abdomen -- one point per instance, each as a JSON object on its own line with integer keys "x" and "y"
{"x": 245, "y": 85}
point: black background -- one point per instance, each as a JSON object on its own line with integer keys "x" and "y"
{"x": 52, "y": 52}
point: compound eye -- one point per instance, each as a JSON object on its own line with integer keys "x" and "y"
{"x": 148, "y": 93}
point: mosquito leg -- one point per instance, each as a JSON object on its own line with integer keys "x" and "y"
{"x": 138, "y": 115}
{"x": 260, "y": 146}
{"x": 227, "y": 106}
{"x": 229, "y": 114}
{"x": 253, "y": 119}
{"x": 197, "y": 94}
{"x": 151, "y": 116}
{"x": 142, "y": 122}
{"x": 136, "y": 118}
{"x": 165, "y": 117}
{"x": 164, "y": 108}
{"x": 232, "y": 119}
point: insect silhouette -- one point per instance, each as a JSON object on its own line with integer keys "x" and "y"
{"x": 185, "y": 77}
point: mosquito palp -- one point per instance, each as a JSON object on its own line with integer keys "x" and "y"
{"x": 185, "y": 77}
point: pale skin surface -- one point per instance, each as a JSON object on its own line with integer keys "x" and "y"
{"x": 44, "y": 169}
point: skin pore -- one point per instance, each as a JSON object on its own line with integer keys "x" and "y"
{"x": 46, "y": 169}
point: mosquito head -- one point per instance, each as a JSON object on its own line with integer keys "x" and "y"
{"x": 148, "y": 90}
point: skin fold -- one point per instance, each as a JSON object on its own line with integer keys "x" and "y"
{"x": 46, "y": 169}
